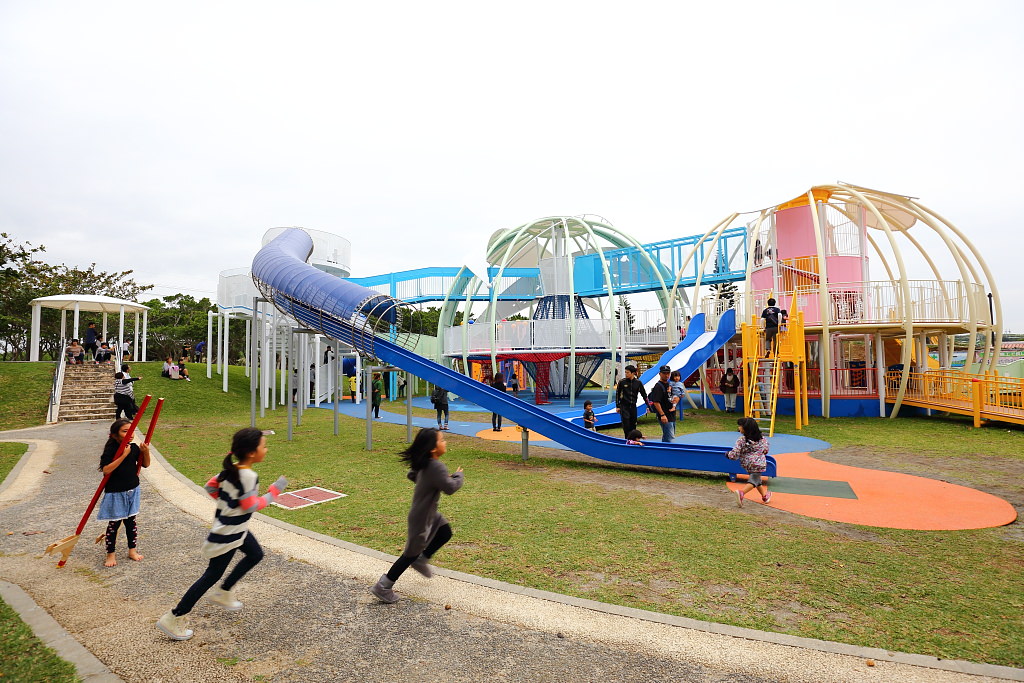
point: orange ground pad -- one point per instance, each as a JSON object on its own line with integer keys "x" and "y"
{"x": 887, "y": 499}
{"x": 508, "y": 434}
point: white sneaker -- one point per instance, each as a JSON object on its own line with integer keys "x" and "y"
{"x": 174, "y": 627}
{"x": 225, "y": 599}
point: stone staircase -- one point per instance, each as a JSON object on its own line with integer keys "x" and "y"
{"x": 87, "y": 393}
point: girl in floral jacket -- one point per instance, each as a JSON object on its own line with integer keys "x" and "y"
{"x": 750, "y": 450}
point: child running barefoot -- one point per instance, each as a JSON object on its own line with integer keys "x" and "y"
{"x": 751, "y": 449}
{"x": 236, "y": 492}
{"x": 428, "y": 529}
{"x": 121, "y": 496}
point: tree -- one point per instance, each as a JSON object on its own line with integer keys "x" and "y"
{"x": 24, "y": 278}
{"x": 724, "y": 291}
{"x": 179, "y": 319}
{"x": 630, "y": 319}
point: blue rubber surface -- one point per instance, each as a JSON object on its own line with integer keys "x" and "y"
{"x": 318, "y": 301}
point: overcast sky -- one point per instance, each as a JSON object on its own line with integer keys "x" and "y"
{"x": 169, "y": 137}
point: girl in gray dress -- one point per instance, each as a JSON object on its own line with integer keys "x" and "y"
{"x": 428, "y": 529}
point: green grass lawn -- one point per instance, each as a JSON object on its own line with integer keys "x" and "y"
{"x": 10, "y": 454}
{"x": 24, "y": 394}
{"x": 24, "y": 658}
{"x": 946, "y": 594}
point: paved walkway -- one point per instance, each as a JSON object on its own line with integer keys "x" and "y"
{"x": 309, "y": 617}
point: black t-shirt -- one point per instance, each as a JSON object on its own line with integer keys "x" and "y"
{"x": 660, "y": 394}
{"x": 773, "y": 316}
{"x": 125, "y": 477}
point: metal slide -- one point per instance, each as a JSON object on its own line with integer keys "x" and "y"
{"x": 686, "y": 357}
{"x": 372, "y": 323}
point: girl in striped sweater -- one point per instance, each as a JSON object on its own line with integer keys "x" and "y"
{"x": 237, "y": 495}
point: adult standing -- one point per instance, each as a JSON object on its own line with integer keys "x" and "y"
{"x": 401, "y": 385}
{"x": 729, "y": 384}
{"x": 376, "y": 394}
{"x": 353, "y": 387}
{"x": 626, "y": 392}
{"x": 90, "y": 345}
{"x": 499, "y": 384}
{"x": 773, "y": 317}
{"x": 661, "y": 401}
{"x": 439, "y": 399}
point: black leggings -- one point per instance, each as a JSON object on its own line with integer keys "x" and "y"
{"x": 496, "y": 420}
{"x": 130, "y": 530}
{"x": 253, "y": 554}
{"x": 443, "y": 535}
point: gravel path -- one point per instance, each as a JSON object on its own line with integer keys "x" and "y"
{"x": 308, "y": 615}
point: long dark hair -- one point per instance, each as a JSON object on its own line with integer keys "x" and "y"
{"x": 498, "y": 379}
{"x": 115, "y": 427}
{"x": 751, "y": 430}
{"x": 244, "y": 442}
{"x": 419, "y": 452}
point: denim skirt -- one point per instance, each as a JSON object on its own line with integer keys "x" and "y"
{"x": 120, "y": 505}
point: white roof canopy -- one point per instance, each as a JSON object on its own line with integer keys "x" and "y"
{"x": 87, "y": 302}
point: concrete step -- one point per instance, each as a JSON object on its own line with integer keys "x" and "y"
{"x": 86, "y": 416}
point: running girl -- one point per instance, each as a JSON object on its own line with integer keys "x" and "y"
{"x": 121, "y": 496}
{"x": 428, "y": 529}
{"x": 751, "y": 449}
{"x": 236, "y": 491}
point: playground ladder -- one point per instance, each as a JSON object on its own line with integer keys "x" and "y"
{"x": 763, "y": 393}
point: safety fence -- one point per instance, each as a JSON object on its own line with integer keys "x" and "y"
{"x": 985, "y": 397}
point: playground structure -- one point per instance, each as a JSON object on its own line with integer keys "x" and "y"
{"x": 879, "y": 279}
{"x": 379, "y": 326}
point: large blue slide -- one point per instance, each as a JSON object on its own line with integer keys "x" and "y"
{"x": 351, "y": 313}
{"x": 686, "y": 357}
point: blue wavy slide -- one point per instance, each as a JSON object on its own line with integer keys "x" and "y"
{"x": 344, "y": 311}
{"x": 686, "y": 357}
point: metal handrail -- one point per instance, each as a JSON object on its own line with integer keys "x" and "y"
{"x": 53, "y": 411}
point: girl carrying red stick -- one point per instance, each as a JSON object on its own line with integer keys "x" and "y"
{"x": 122, "y": 496}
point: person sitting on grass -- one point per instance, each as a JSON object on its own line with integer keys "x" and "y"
{"x": 183, "y": 371}
{"x": 635, "y": 438}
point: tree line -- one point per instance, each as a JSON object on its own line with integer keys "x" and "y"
{"x": 174, "y": 321}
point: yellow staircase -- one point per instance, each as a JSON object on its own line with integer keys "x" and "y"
{"x": 761, "y": 377}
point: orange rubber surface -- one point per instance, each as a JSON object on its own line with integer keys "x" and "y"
{"x": 508, "y": 434}
{"x": 887, "y": 499}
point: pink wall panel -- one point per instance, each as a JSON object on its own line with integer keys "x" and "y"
{"x": 795, "y": 232}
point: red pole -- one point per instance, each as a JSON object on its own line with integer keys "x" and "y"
{"x": 152, "y": 428}
{"x": 120, "y": 451}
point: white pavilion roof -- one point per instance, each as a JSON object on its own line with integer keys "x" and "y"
{"x": 88, "y": 302}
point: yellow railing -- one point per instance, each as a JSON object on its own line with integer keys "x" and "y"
{"x": 985, "y": 397}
